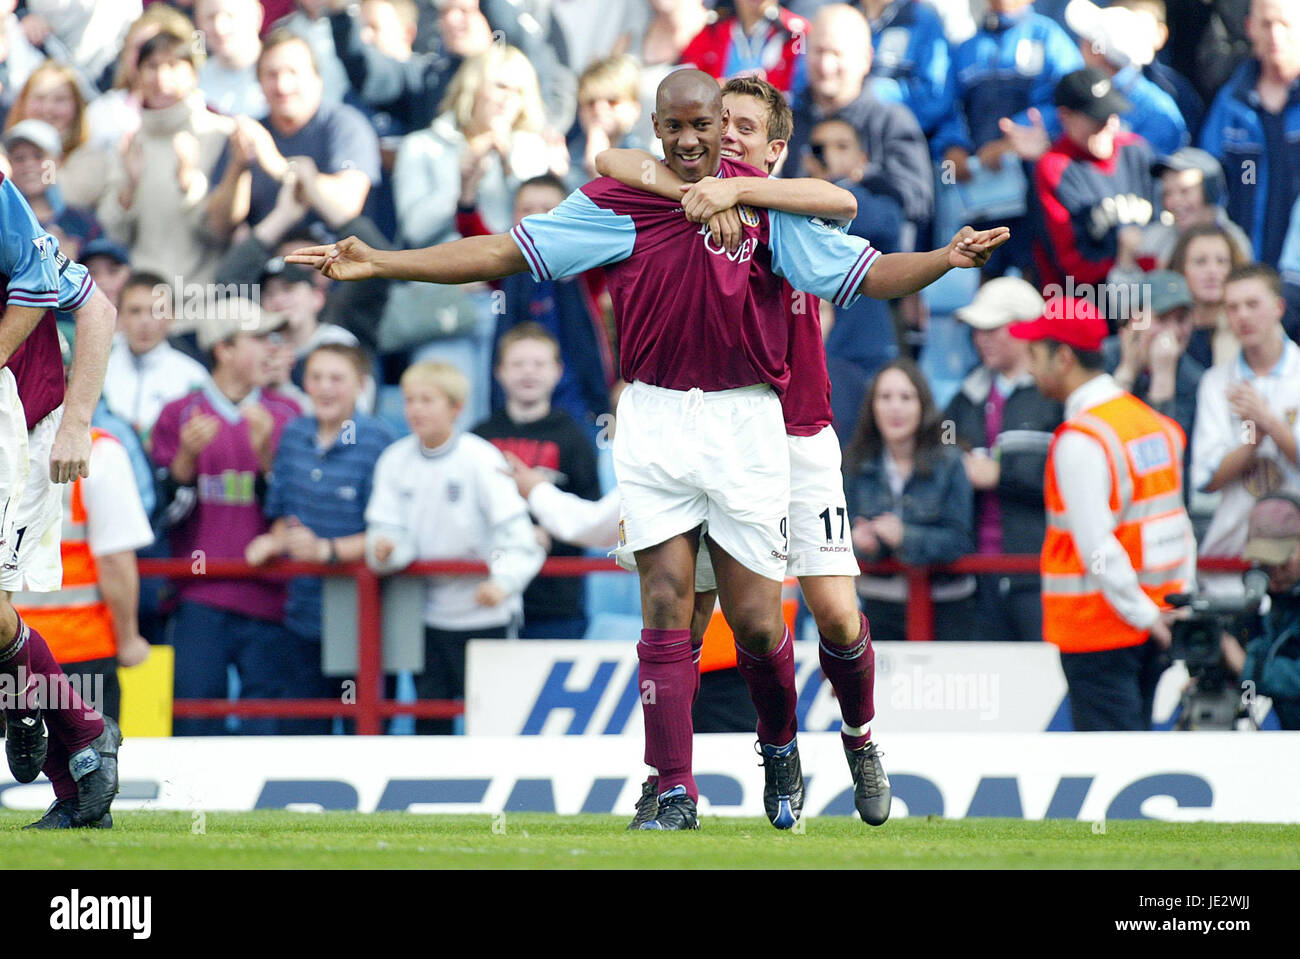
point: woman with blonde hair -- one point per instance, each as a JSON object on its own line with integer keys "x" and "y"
{"x": 53, "y": 93}
{"x": 486, "y": 140}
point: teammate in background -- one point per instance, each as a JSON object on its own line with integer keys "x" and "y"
{"x": 45, "y": 441}
{"x": 442, "y": 494}
{"x": 701, "y": 440}
{"x": 756, "y": 126}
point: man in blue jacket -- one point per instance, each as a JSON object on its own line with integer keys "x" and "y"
{"x": 1013, "y": 63}
{"x": 1008, "y": 69}
{"x": 1253, "y": 127}
{"x": 912, "y": 50}
{"x": 1118, "y": 41}
{"x": 839, "y": 58}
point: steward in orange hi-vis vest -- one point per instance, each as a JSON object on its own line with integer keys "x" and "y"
{"x": 75, "y": 621}
{"x": 1118, "y": 537}
{"x": 1144, "y": 456}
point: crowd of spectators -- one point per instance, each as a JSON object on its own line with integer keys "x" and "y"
{"x": 180, "y": 148}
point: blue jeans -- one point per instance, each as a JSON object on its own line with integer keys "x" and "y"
{"x": 207, "y": 642}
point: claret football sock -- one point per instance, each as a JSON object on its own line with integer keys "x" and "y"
{"x": 697, "y": 650}
{"x": 67, "y": 717}
{"x": 667, "y": 678}
{"x": 18, "y": 703}
{"x": 770, "y": 678}
{"x": 851, "y": 672}
{"x": 56, "y": 769}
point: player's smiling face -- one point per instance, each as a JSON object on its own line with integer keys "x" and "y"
{"x": 691, "y": 132}
{"x": 744, "y": 132}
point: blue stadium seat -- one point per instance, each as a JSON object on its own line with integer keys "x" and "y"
{"x": 952, "y": 291}
{"x": 389, "y": 409}
{"x": 947, "y": 356}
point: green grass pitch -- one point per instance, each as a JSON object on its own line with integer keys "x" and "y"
{"x": 263, "y": 840}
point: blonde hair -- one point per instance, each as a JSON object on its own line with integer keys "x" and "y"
{"x": 443, "y": 377}
{"x": 477, "y": 71}
{"x": 613, "y": 77}
{"x": 167, "y": 20}
{"x": 78, "y": 131}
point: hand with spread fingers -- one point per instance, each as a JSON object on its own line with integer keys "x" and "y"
{"x": 972, "y": 248}
{"x": 348, "y": 259}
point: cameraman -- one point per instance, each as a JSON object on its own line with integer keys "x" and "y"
{"x": 1272, "y": 660}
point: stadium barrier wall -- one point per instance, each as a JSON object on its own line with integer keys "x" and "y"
{"x": 1091, "y": 778}
{"x": 370, "y": 708}
{"x": 589, "y": 688}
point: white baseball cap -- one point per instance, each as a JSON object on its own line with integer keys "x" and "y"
{"x": 1008, "y": 299}
{"x": 40, "y": 134}
{"x": 1120, "y": 35}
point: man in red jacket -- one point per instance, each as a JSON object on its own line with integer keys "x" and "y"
{"x": 760, "y": 38}
{"x": 1094, "y": 181}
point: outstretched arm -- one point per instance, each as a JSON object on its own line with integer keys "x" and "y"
{"x": 460, "y": 261}
{"x": 902, "y": 274}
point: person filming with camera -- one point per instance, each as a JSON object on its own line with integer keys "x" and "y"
{"x": 1272, "y": 656}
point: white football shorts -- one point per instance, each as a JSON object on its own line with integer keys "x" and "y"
{"x": 717, "y": 460}
{"x": 820, "y": 529}
{"x": 14, "y": 462}
{"x": 34, "y": 562}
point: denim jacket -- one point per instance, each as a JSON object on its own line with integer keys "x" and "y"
{"x": 936, "y": 511}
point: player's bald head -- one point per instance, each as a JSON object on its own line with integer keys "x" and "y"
{"x": 683, "y": 88}
{"x": 688, "y": 120}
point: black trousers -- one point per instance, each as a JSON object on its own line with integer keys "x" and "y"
{"x": 87, "y": 685}
{"x": 444, "y": 671}
{"x": 1007, "y": 614}
{"x": 723, "y": 705}
{"x": 888, "y": 621}
{"x": 1114, "y": 690}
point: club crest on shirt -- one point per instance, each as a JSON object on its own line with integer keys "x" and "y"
{"x": 453, "y": 491}
{"x": 748, "y": 215}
